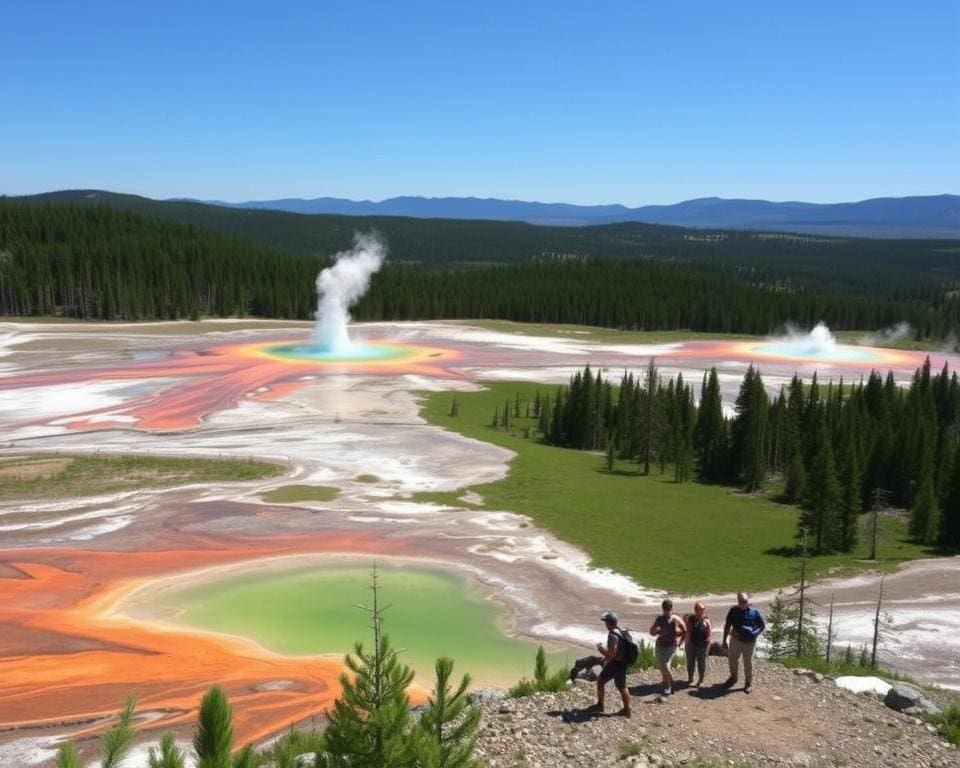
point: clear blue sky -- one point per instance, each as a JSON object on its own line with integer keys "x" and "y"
{"x": 634, "y": 101}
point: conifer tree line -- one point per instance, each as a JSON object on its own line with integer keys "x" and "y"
{"x": 841, "y": 449}
{"x": 98, "y": 262}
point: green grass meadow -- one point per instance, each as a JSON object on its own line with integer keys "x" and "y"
{"x": 56, "y": 475}
{"x": 684, "y": 538}
{"x": 293, "y": 494}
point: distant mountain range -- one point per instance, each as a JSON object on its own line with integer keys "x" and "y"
{"x": 926, "y": 216}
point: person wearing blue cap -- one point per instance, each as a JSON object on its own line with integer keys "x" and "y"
{"x": 614, "y": 663}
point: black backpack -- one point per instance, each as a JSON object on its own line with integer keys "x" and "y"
{"x": 630, "y": 649}
{"x": 698, "y": 632}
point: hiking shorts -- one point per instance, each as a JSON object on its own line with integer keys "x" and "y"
{"x": 665, "y": 656}
{"x": 616, "y": 671}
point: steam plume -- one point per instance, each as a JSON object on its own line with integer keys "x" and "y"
{"x": 340, "y": 286}
{"x": 819, "y": 342}
{"x": 889, "y": 335}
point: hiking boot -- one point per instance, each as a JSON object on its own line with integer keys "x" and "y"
{"x": 729, "y": 682}
{"x": 595, "y": 708}
{"x": 625, "y": 713}
{"x": 667, "y": 691}
{"x": 746, "y": 688}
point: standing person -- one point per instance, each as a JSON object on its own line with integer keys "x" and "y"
{"x": 743, "y": 626}
{"x": 614, "y": 663}
{"x": 669, "y": 630}
{"x": 698, "y": 643}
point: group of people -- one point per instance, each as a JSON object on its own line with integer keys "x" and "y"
{"x": 742, "y": 627}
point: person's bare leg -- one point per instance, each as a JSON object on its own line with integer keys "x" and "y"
{"x": 625, "y": 695}
{"x": 600, "y": 692}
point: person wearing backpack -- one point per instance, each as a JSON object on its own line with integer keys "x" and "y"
{"x": 619, "y": 653}
{"x": 669, "y": 631}
{"x": 698, "y": 643}
{"x": 743, "y": 626}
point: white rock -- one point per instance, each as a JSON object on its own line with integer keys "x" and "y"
{"x": 864, "y": 684}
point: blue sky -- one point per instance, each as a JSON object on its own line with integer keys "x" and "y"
{"x": 634, "y": 102}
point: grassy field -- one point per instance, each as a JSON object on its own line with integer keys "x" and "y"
{"x": 36, "y": 476}
{"x": 291, "y": 494}
{"x": 314, "y": 610}
{"x": 686, "y": 538}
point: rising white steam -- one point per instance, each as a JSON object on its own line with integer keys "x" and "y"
{"x": 340, "y": 286}
{"x": 890, "y": 335}
{"x": 819, "y": 342}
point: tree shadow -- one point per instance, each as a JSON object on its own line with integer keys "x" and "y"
{"x": 782, "y": 551}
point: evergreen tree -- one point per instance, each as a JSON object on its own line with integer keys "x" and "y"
{"x": 779, "y": 634}
{"x": 851, "y": 501}
{"x": 749, "y": 431}
{"x": 67, "y": 756}
{"x": 925, "y": 514}
{"x": 820, "y": 515}
{"x": 683, "y": 429}
{"x": 710, "y": 441}
{"x": 247, "y": 758}
{"x": 368, "y": 725}
{"x": 448, "y": 726}
{"x": 795, "y": 488}
{"x": 543, "y": 425}
{"x": 167, "y": 755}
{"x": 651, "y": 416}
{"x": 116, "y": 742}
{"x": 213, "y": 739}
{"x": 950, "y": 513}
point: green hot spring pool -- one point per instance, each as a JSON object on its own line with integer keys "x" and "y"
{"x": 305, "y": 610}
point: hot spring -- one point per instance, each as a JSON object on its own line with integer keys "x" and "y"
{"x": 299, "y": 610}
{"x": 819, "y": 345}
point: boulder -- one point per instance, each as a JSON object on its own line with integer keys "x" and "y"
{"x": 864, "y": 684}
{"x": 910, "y": 700}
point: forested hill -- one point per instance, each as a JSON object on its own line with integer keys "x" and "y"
{"x": 100, "y": 261}
{"x": 797, "y": 261}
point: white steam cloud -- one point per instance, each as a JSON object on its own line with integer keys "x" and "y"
{"x": 340, "y": 287}
{"x": 819, "y": 342}
{"x": 890, "y": 335}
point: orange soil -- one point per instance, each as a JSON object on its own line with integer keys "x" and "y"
{"x": 65, "y": 660}
{"x": 216, "y": 378}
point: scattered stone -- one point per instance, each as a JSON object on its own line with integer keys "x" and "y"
{"x": 784, "y": 722}
{"x": 910, "y": 700}
{"x": 485, "y": 695}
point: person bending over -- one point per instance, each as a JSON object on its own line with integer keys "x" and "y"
{"x": 614, "y": 665}
{"x": 743, "y": 626}
{"x": 669, "y": 631}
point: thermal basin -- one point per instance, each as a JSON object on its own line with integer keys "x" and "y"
{"x": 309, "y": 610}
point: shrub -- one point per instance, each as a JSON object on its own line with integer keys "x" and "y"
{"x": 544, "y": 681}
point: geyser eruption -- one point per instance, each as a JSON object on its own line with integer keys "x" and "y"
{"x": 819, "y": 342}
{"x": 340, "y": 287}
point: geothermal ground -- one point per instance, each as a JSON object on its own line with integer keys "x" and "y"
{"x": 83, "y": 581}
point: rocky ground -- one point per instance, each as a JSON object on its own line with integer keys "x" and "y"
{"x": 786, "y": 720}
